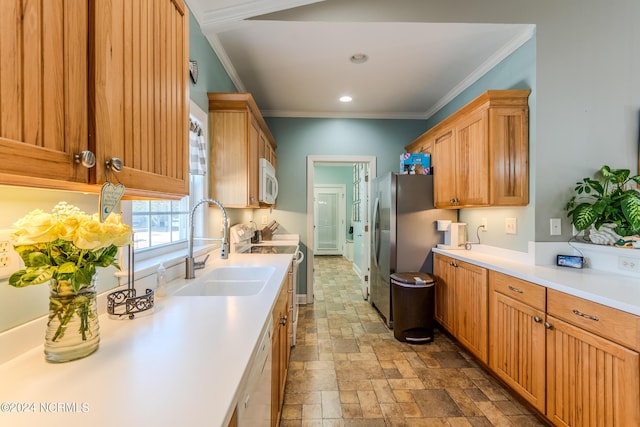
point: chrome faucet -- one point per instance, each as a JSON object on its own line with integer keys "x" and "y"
{"x": 191, "y": 265}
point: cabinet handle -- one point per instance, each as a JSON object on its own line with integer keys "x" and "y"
{"x": 537, "y": 319}
{"x": 86, "y": 158}
{"x": 520, "y": 291}
{"x": 586, "y": 316}
{"x": 548, "y": 325}
{"x": 114, "y": 164}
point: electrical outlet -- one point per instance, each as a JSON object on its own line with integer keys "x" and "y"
{"x": 265, "y": 219}
{"x": 510, "y": 226}
{"x": 555, "y": 227}
{"x": 628, "y": 263}
{"x": 483, "y": 224}
{"x": 9, "y": 259}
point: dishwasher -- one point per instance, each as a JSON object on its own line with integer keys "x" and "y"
{"x": 254, "y": 407}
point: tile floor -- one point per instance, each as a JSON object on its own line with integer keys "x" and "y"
{"x": 347, "y": 369}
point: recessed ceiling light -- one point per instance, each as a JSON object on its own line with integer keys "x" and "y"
{"x": 359, "y": 58}
{"x": 346, "y": 98}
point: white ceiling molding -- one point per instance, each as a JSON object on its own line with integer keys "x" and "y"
{"x": 214, "y": 18}
{"x": 226, "y": 62}
{"x": 341, "y": 115}
{"x": 494, "y": 60}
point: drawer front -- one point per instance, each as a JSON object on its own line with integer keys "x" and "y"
{"x": 615, "y": 325}
{"x": 526, "y": 292}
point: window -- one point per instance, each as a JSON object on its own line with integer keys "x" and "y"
{"x": 159, "y": 222}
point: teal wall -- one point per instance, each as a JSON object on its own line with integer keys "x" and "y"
{"x": 212, "y": 76}
{"x": 338, "y": 175}
{"x": 298, "y": 138}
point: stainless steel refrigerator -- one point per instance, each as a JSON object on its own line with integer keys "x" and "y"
{"x": 403, "y": 232}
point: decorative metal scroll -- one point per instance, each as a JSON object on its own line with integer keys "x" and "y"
{"x": 126, "y": 302}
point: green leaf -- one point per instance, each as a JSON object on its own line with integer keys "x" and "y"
{"x": 31, "y": 276}
{"x": 583, "y": 216}
{"x": 631, "y": 211}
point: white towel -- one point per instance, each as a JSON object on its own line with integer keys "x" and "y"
{"x": 198, "y": 153}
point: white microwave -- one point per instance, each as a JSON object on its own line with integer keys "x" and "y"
{"x": 268, "y": 183}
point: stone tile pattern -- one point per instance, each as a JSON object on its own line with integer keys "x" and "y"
{"x": 348, "y": 370}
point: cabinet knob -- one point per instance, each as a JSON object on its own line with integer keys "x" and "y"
{"x": 283, "y": 320}
{"x": 114, "y": 164}
{"x": 537, "y": 319}
{"x": 548, "y": 325}
{"x": 86, "y": 158}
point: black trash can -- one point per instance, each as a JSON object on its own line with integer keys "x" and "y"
{"x": 412, "y": 304}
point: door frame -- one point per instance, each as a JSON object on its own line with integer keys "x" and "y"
{"x": 311, "y": 162}
{"x": 341, "y": 190}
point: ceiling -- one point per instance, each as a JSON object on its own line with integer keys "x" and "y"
{"x": 301, "y": 68}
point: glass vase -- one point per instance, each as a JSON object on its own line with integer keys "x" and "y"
{"x": 73, "y": 331}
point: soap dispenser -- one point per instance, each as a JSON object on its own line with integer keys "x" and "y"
{"x": 161, "y": 281}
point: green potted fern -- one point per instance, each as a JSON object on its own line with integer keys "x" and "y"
{"x": 608, "y": 205}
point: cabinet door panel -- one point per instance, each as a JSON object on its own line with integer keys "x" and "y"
{"x": 590, "y": 381}
{"x": 472, "y": 160}
{"x": 444, "y": 179}
{"x": 229, "y": 157}
{"x": 517, "y": 347}
{"x": 444, "y": 294}
{"x": 510, "y": 156}
{"x": 472, "y": 305}
{"x": 43, "y": 90}
{"x": 140, "y": 100}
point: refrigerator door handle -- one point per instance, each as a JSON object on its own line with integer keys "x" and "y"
{"x": 375, "y": 238}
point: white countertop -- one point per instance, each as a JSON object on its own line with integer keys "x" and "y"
{"x": 183, "y": 364}
{"x": 610, "y": 289}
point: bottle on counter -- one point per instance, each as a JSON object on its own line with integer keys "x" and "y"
{"x": 161, "y": 281}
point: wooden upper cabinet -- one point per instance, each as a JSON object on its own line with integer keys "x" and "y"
{"x": 131, "y": 102}
{"x": 43, "y": 91}
{"x": 481, "y": 152}
{"x": 140, "y": 97}
{"x": 239, "y": 137}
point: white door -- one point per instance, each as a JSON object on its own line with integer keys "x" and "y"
{"x": 361, "y": 226}
{"x": 329, "y": 212}
{"x": 364, "y": 212}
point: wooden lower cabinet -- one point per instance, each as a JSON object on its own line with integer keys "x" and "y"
{"x": 444, "y": 293}
{"x": 576, "y": 361}
{"x": 462, "y": 303}
{"x": 281, "y": 348}
{"x": 591, "y": 381}
{"x": 517, "y": 336}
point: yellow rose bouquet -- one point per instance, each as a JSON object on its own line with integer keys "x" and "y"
{"x": 63, "y": 248}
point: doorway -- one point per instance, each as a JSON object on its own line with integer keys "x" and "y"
{"x": 312, "y": 162}
{"x": 329, "y": 212}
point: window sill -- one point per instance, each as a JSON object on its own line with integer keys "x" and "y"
{"x": 173, "y": 262}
